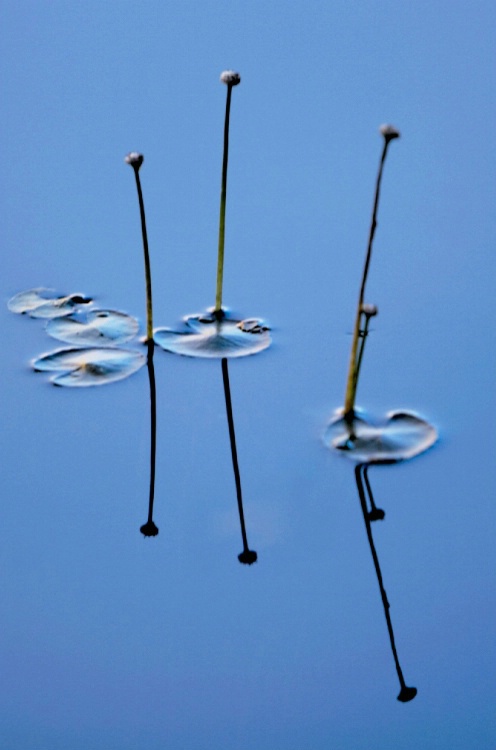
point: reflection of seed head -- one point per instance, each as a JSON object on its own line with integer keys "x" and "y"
{"x": 149, "y": 529}
{"x": 247, "y": 557}
{"x": 230, "y": 78}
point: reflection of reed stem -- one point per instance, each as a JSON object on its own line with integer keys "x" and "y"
{"x": 352, "y": 381}
{"x": 223, "y": 192}
{"x": 375, "y": 513}
{"x": 149, "y": 528}
{"x": 247, "y": 556}
{"x": 406, "y": 693}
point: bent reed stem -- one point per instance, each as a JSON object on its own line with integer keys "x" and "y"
{"x": 136, "y": 160}
{"x": 356, "y": 354}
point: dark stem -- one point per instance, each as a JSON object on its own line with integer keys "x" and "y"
{"x": 148, "y": 276}
{"x": 406, "y": 693}
{"x": 149, "y": 528}
{"x": 247, "y": 556}
{"x": 375, "y": 513}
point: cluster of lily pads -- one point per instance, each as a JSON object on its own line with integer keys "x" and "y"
{"x": 97, "y": 357}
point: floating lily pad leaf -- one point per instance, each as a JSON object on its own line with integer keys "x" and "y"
{"x": 208, "y": 336}
{"x": 90, "y": 366}
{"x": 46, "y": 303}
{"x": 401, "y": 436}
{"x": 97, "y": 327}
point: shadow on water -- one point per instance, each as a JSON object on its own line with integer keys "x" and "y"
{"x": 364, "y": 489}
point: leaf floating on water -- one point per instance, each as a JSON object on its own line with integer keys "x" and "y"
{"x": 401, "y": 436}
{"x": 90, "y": 366}
{"x": 210, "y": 337}
{"x": 97, "y": 327}
{"x": 46, "y": 303}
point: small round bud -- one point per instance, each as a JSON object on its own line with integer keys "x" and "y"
{"x": 134, "y": 159}
{"x": 389, "y": 132}
{"x": 230, "y": 78}
{"x": 369, "y": 310}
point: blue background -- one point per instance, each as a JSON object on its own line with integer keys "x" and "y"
{"x": 113, "y": 642}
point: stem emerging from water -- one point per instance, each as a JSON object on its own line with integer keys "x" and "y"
{"x": 356, "y": 351}
{"x": 230, "y": 79}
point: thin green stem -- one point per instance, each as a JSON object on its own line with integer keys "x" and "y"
{"x": 355, "y": 355}
{"x": 363, "y": 333}
{"x": 222, "y": 213}
{"x": 148, "y": 275}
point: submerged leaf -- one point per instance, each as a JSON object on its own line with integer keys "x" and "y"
{"x": 46, "y": 303}
{"x": 97, "y": 327}
{"x": 91, "y": 366}
{"x": 401, "y": 436}
{"x": 210, "y": 336}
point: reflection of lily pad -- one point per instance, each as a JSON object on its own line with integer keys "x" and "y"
{"x": 91, "y": 366}
{"x": 97, "y": 327}
{"x": 45, "y": 303}
{"x": 402, "y": 435}
{"x": 208, "y": 336}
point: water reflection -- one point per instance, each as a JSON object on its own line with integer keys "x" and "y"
{"x": 369, "y": 515}
{"x": 247, "y": 556}
{"x": 149, "y": 528}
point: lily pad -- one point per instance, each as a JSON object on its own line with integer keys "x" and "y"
{"x": 212, "y": 337}
{"x": 89, "y": 366}
{"x": 400, "y": 436}
{"x": 97, "y": 327}
{"x": 46, "y": 303}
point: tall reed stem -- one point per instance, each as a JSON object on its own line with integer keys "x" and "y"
{"x": 135, "y": 160}
{"x": 389, "y": 134}
{"x": 230, "y": 79}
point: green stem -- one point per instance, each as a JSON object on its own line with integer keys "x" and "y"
{"x": 356, "y": 355}
{"x": 222, "y": 214}
{"x": 148, "y": 275}
{"x": 362, "y": 335}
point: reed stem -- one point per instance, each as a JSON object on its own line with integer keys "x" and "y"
{"x": 356, "y": 354}
{"x": 230, "y": 79}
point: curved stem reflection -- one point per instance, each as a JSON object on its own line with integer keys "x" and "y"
{"x": 406, "y": 693}
{"x": 375, "y": 513}
{"x": 248, "y": 556}
{"x": 149, "y": 528}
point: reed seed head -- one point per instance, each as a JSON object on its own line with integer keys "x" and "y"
{"x": 369, "y": 310}
{"x": 389, "y": 132}
{"x": 134, "y": 159}
{"x": 230, "y": 78}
